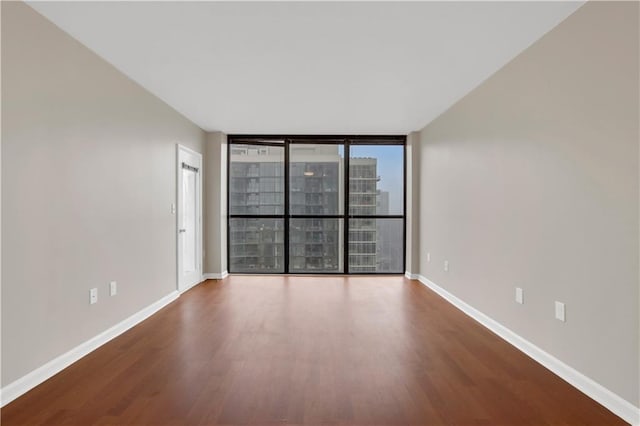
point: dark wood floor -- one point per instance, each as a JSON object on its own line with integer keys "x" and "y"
{"x": 307, "y": 350}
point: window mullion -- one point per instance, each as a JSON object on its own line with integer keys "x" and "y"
{"x": 287, "y": 144}
{"x": 345, "y": 238}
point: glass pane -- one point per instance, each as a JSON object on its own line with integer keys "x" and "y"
{"x": 256, "y": 179}
{"x": 375, "y": 245}
{"x": 316, "y": 176}
{"x": 315, "y": 245}
{"x": 376, "y": 180}
{"x": 256, "y": 245}
{"x": 189, "y": 221}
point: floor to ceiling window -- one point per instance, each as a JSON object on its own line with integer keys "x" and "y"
{"x": 322, "y": 204}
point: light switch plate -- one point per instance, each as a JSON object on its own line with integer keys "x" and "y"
{"x": 446, "y": 266}
{"x": 428, "y": 257}
{"x": 93, "y": 296}
{"x": 113, "y": 288}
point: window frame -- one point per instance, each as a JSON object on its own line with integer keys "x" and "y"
{"x": 347, "y": 141}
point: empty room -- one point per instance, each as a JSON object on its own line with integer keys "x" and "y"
{"x": 320, "y": 213}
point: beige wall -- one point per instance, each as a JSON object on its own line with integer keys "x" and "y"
{"x": 532, "y": 181}
{"x": 88, "y": 178}
{"x": 215, "y": 204}
{"x": 412, "y": 261}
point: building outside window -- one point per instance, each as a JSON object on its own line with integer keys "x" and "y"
{"x": 315, "y": 221}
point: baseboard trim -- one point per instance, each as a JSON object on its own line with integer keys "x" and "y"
{"x": 215, "y": 276}
{"x": 411, "y": 276}
{"x": 616, "y": 404}
{"x": 202, "y": 279}
{"x": 40, "y": 374}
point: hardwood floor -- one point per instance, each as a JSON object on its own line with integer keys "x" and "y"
{"x": 309, "y": 351}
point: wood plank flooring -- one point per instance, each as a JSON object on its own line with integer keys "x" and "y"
{"x": 256, "y": 350}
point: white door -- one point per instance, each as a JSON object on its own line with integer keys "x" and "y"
{"x": 189, "y": 218}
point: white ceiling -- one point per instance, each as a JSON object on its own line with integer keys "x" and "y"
{"x": 309, "y": 68}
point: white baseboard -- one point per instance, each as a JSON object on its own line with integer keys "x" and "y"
{"x": 215, "y": 276}
{"x": 411, "y": 276}
{"x": 40, "y": 374}
{"x": 616, "y": 404}
{"x": 190, "y": 286}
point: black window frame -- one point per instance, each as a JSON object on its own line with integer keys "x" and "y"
{"x": 347, "y": 141}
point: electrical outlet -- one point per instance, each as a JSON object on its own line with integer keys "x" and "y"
{"x": 428, "y": 257}
{"x": 519, "y": 295}
{"x": 446, "y": 266}
{"x": 560, "y": 312}
{"x": 93, "y": 296}
{"x": 113, "y": 288}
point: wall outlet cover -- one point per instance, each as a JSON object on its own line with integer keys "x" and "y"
{"x": 519, "y": 295}
{"x": 93, "y": 296}
{"x": 560, "y": 312}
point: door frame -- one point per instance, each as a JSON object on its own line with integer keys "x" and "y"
{"x": 180, "y": 150}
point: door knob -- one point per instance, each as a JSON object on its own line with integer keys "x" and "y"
{"x": 182, "y": 230}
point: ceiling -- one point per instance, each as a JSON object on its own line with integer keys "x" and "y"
{"x": 308, "y": 67}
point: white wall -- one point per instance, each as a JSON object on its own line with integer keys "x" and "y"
{"x": 531, "y": 180}
{"x": 88, "y": 177}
